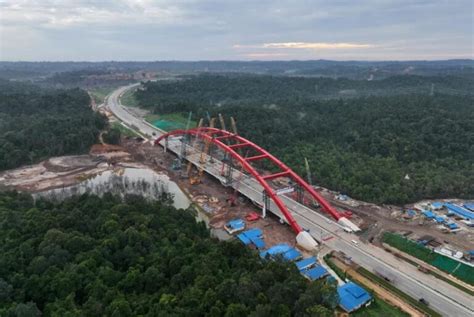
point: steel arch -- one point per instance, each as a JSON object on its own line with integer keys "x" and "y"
{"x": 216, "y": 136}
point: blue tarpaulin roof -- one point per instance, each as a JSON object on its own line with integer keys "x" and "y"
{"x": 258, "y": 243}
{"x": 411, "y": 212}
{"x": 428, "y": 214}
{"x": 437, "y": 205}
{"x": 471, "y": 252}
{"x": 236, "y": 224}
{"x": 292, "y": 255}
{"x": 469, "y": 206}
{"x": 315, "y": 273}
{"x": 243, "y": 238}
{"x": 439, "y": 219}
{"x": 275, "y": 250}
{"x": 352, "y": 296}
{"x": 460, "y": 211}
{"x": 452, "y": 226}
{"x": 255, "y": 232}
{"x": 252, "y": 236}
{"x": 305, "y": 263}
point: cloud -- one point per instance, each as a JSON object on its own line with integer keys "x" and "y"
{"x": 264, "y": 55}
{"x": 59, "y": 14}
{"x": 315, "y": 45}
{"x": 206, "y": 29}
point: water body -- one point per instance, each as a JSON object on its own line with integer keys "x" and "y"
{"x": 136, "y": 181}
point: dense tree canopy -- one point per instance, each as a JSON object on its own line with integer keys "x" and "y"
{"x": 364, "y": 145}
{"x": 253, "y": 90}
{"x": 36, "y": 123}
{"x": 90, "y": 256}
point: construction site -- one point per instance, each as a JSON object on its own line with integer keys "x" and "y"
{"x": 242, "y": 192}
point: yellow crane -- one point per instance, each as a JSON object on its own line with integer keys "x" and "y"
{"x": 233, "y": 124}
{"x": 193, "y": 180}
{"x": 221, "y": 119}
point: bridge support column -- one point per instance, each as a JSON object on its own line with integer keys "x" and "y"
{"x": 299, "y": 194}
{"x": 182, "y": 152}
{"x": 228, "y": 173}
{"x": 211, "y": 149}
{"x": 265, "y": 204}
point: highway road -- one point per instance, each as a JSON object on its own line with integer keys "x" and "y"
{"x": 442, "y": 297}
{"x": 113, "y": 104}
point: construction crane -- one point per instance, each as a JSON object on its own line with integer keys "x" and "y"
{"x": 221, "y": 119}
{"x": 233, "y": 124}
{"x": 308, "y": 176}
{"x": 308, "y": 171}
{"x": 234, "y": 130}
{"x": 190, "y": 165}
{"x": 233, "y": 198}
{"x": 193, "y": 180}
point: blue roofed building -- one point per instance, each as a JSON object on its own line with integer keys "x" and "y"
{"x": 258, "y": 242}
{"x": 439, "y": 219}
{"x": 253, "y": 236}
{"x": 254, "y": 232}
{"x": 243, "y": 238}
{"x": 292, "y": 255}
{"x": 462, "y": 212}
{"x": 306, "y": 263}
{"x": 275, "y": 250}
{"x": 352, "y": 297}
{"x": 469, "y": 206}
{"x": 234, "y": 226}
{"x": 428, "y": 214}
{"x": 315, "y": 273}
{"x": 452, "y": 226}
{"x": 437, "y": 205}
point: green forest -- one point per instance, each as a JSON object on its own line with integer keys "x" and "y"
{"x": 395, "y": 140}
{"x": 37, "y": 123}
{"x": 91, "y": 256}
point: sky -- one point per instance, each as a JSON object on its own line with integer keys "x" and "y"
{"x": 149, "y": 30}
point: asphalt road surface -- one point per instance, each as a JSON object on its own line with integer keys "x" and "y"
{"x": 442, "y": 297}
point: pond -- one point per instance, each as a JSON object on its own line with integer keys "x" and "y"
{"x": 137, "y": 181}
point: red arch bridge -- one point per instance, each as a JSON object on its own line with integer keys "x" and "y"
{"x": 247, "y": 155}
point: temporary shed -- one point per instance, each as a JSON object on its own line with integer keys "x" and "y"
{"x": 452, "y": 226}
{"x": 439, "y": 219}
{"x": 315, "y": 273}
{"x": 252, "y": 236}
{"x": 234, "y": 226}
{"x": 275, "y": 250}
{"x": 469, "y": 206}
{"x": 258, "y": 242}
{"x": 437, "y": 205}
{"x": 352, "y": 296}
{"x": 292, "y": 255}
{"x": 243, "y": 238}
{"x": 306, "y": 263}
{"x": 253, "y": 233}
{"x": 428, "y": 214}
{"x": 467, "y": 214}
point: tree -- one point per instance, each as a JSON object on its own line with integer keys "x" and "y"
{"x": 27, "y": 310}
{"x": 163, "y": 264}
